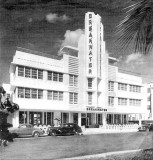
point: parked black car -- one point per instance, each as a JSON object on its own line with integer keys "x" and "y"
{"x": 146, "y": 127}
{"x": 65, "y": 129}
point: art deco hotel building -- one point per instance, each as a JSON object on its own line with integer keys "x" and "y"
{"x": 82, "y": 85}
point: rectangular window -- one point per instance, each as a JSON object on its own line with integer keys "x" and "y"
{"x": 27, "y": 72}
{"x": 55, "y": 95}
{"x": 20, "y": 92}
{"x": 30, "y": 72}
{"x": 27, "y": 92}
{"x": 34, "y": 73}
{"x": 119, "y": 101}
{"x": 21, "y": 71}
{"x": 73, "y": 80}
{"x": 122, "y": 86}
{"x": 135, "y": 102}
{"x": 60, "y": 96}
{"x": 73, "y": 98}
{"x": 49, "y": 95}
{"x": 131, "y": 88}
{"x": 30, "y": 93}
{"x": 138, "y": 102}
{"x": 89, "y": 83}
{"x": 70, "y": 80}
{"x": 50, "y": 74}
{"x": 34, "y": 93}
{"x": 134, "y": 88}
{"x": 138, "y": 89}
{"x": 40, "y": 94}
{"x": 89, "y": 98}
{"x": 40, "y": 74}
{"x": 122, "y": 101}
{"x": 110, "y": 86}
{"x": 60, "y": 77}
{"x": 130, "y": 102}
{"x": 111, "y": 101}
{"x": 55, "y": 76}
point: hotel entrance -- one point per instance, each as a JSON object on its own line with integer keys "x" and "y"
{"x": 75, "y": 118}
{"x": 84, "y": 119}
{"x": 99, "y": 119}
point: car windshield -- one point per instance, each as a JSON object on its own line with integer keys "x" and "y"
{"x": 148, "y": 124}
{"x": 64, "y": 125}
{"x": 22, "y": 126}
{"x": 29, "y": 126}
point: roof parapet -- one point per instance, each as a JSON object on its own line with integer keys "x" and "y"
{"x": 68, "y": 50}
{"x": 112, "y": 60}
{"x": 38, "y": 53}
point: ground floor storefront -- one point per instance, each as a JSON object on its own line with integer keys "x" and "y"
{"x": 55, "y": 118}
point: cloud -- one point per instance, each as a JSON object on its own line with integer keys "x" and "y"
{"x": 64, "y": 18}
{"x": 53, "y": 17}
{"x": 72, "y": 37}
{"x": 134, "y": 62}
{"x": 30, "y": 20}
{"x": 138, "y": 63}
{"x": 136, "y": 58}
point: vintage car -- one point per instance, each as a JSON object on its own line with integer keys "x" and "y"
{"x": 65, "y": 129}
{"x": 146, "y": 127}
{"x": 26, "y": 130}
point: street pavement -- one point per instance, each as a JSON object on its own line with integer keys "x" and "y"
{"x": 88, "y": 131}
{"x": 103, "y": 131}
{"x": 84, "y": 145}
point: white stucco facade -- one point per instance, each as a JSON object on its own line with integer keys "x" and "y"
{"x": 76, "y": 86}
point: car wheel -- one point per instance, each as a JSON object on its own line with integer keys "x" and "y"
{"x": 53, "y": 133}
{"x": 36, "y": 134}
{"x": 77, "y": 133}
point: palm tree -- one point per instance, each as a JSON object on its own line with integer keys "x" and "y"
{"x": 136, "y": 28}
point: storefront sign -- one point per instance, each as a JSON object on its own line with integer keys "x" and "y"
{"x": 96, "y": 109}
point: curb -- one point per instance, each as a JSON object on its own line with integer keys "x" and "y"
{"x": 102, "y": 155}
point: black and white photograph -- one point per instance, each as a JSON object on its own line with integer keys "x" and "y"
{"x": 76, "y": 79}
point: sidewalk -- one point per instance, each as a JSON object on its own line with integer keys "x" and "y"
{"x": 103, "y": 131}
{"x": 102, "y": 155}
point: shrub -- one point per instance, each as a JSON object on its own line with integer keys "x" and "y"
{"x": 6, "y": 108}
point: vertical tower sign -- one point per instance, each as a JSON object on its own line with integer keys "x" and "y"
{"x": 91, "y": 34}
{"x": 96, "y": 59}
{"x": 94, "y": 44}
{"x": 90, "y": 53}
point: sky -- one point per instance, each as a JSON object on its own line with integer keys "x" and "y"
{"x": 47, "y": 25}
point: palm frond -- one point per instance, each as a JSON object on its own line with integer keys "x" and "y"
{"x": 138, "y": 26}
